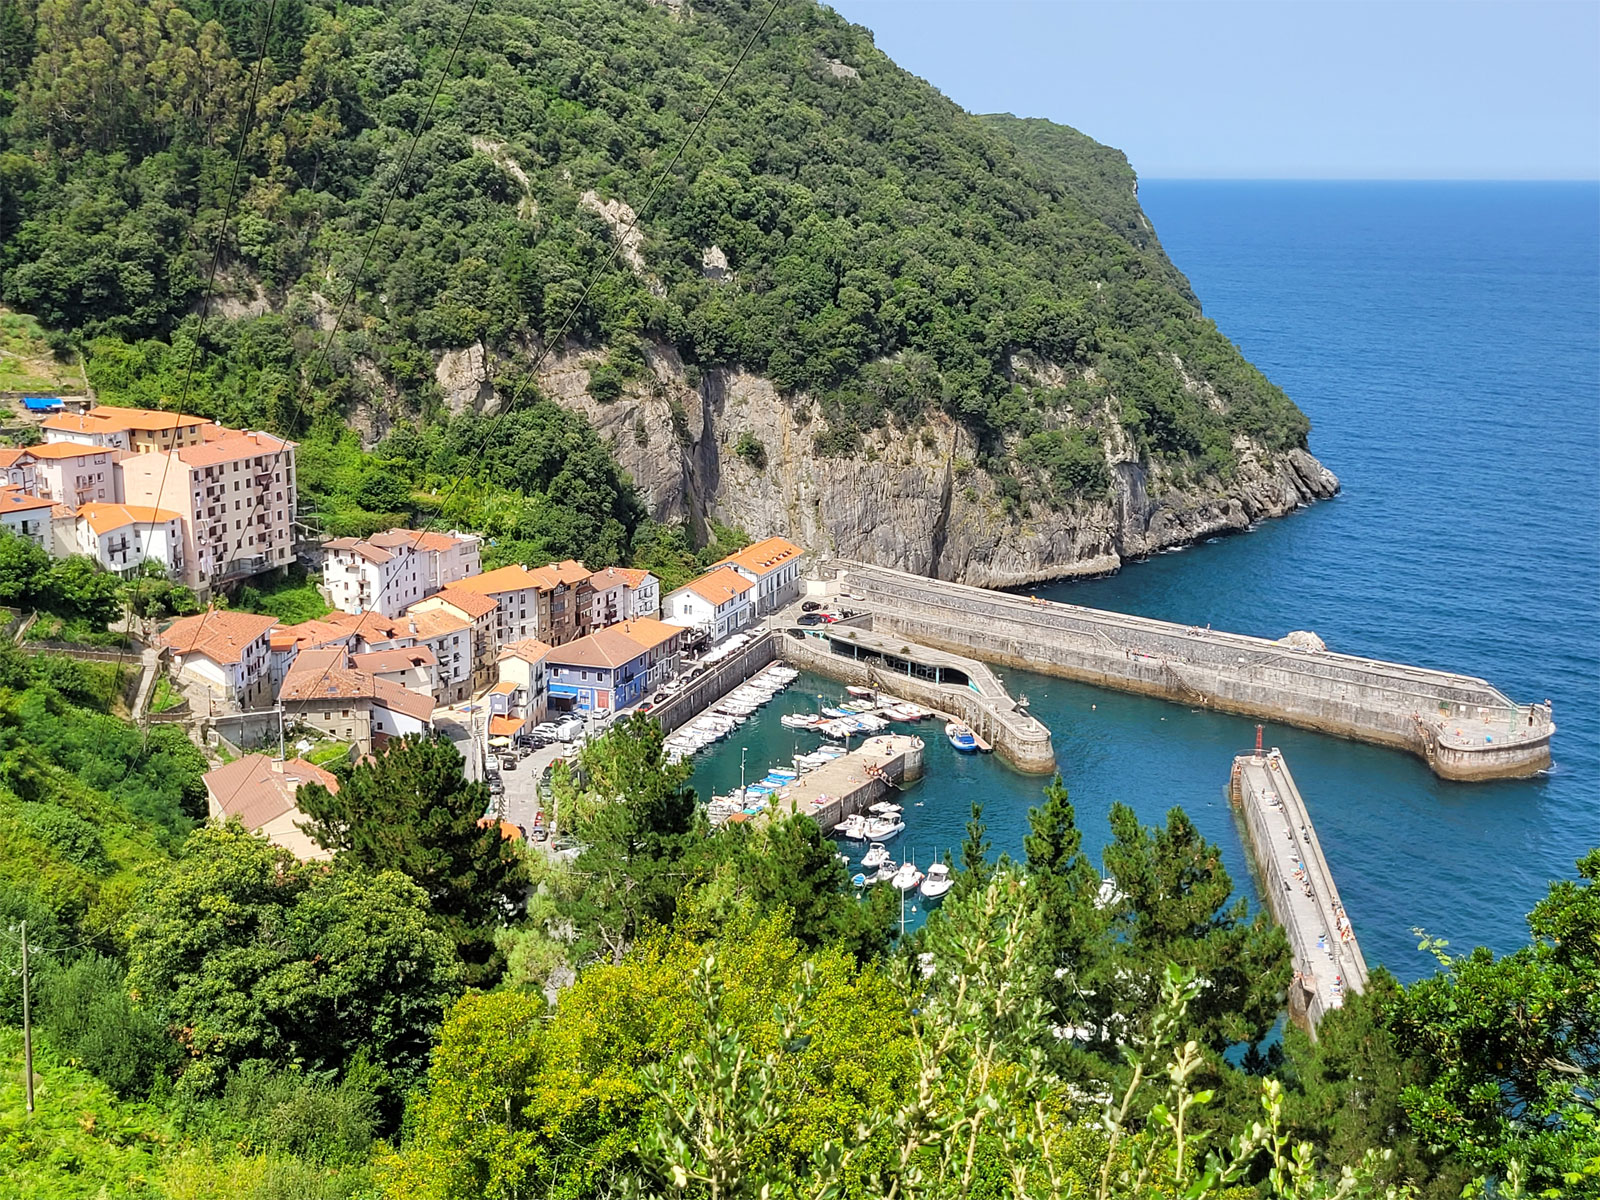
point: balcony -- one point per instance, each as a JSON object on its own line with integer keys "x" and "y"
{"x": 239, "y": 568}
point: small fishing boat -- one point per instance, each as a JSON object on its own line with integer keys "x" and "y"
{"x": 961, "y": 738}
{"x": 859, "y": 706}
{"x": 884, "y": 808}
{"x": 907, "y": 877}
{"x": 858, "y": 881}
{"x": 831, "y": 711}
{"x": 800, "y": 720}
{"x": 782, "y": 773}
{"x": 937, "y": 882}
{"x": 876, "y": 856}
{"x": 901, "y": 712}
{"x": 861, "y": 693}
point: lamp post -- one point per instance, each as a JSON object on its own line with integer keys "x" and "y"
{"x": 743, "y": 750}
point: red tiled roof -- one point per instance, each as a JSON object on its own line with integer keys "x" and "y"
{"x": 226, "y": 445}
{"x": 219, "y": 634}
{"x": 258, "y": 789}
{"x": 530, "y": 650}
{"x": 103, "y": 518}
{"x": 608, "y": 647}
{"x": 378, "y": 661}
{"x": 612, "y": 576}
{"x": 14, "y": 499}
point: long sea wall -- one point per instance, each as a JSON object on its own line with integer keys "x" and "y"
{"x": 1462, "y": 726}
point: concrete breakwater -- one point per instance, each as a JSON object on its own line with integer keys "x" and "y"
{"x": 699, "y": 693}
{"x": 1462, "y": 726}
{"x": 948, "y": 683}
{"x": 847, "y": 785}
{"x": 1297, "y": 886}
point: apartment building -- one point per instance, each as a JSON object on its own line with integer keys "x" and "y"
{"x": 235, "y": 492}
{"x": 622, "y": 594}
{"x": 663, "y": 646}
{"x": 136, "y": 430}
{"x": 450, "y": 638}
{"x": 415, "y": 667}
{"x": 227, "y": 651}
{"x": 28, "y": 517}
{"x": 390, "y": 571}
{"x": 516, "y": 592}
{"x": 122, "y": 537}
{"x": 73, "y": 473}
{"x": 526, "y": 664}
{"x": 718, "y": 603}
{"x": 599, "y": 672}
{"x": 773, "y": 565}
{"x": 287, "y": 641}
{"x": 566, "y": 585}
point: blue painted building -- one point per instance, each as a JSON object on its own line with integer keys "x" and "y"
{"x": 604, "y": 671}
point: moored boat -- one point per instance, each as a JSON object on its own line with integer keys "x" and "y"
{"x": 937, "y": 882}
{"x": 961, "y": 738}
{"x": 876, "y": 856}
{"x": 907, "y": 877}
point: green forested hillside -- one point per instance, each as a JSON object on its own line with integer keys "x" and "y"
{"x": 886, "y": 252}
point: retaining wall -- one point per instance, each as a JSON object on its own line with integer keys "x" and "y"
{"x": 988, "y": 710}
{"x": 716, "y": 683}
{"x": 1389, "y": 703}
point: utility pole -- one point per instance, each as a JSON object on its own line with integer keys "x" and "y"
{"x": 27, "y": 1023}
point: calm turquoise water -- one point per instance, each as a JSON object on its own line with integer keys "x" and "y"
{"x": 1443, "y": 340}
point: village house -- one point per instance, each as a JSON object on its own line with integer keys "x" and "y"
{"x": 415, "y": 667}
{"x": 28, "y": 517}
{"x": 73, "y": 473}
{"x": 136, "y": 430}
{"x": 226, "y": 651}
{"x": 449, "y": 637}
{"x": 663, "y": 646}
{"x": 773, "y": 565}
{"x": 262, "y": 792}
{"x": 122, "y": 537}
{"x": 479, "y": 614}
{"x": 526, "y": 665}
{"x": 17, "y": 469}
{"x": 599, "y": 672}
{"x": 566, "y": 584}
{"x": 324, "y": 691}
{"x": 516, "y": 594}
{"x": 287, "y": 641}
{"x": 717, "y": 604}
{"x": 622, "y": 594}
{"x": 390, "y": 571}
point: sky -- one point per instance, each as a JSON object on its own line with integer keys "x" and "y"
{"x": 1327, "y": 89}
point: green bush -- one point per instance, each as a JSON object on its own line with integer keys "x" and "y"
{"x": 84, "y": 1007}
{"x": 750, "y": 448}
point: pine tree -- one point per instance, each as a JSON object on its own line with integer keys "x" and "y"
{"x": 976, "y": 869}
{"x": 1065, "y": 887}
{"x": 409, "y": 808}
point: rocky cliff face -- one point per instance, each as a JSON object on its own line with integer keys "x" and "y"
{"x": 911, "y": 499}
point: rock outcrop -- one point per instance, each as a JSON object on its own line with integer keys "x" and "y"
{"x": 911, "y": 499}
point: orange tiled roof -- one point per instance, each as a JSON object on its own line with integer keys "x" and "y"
{"x": 719, "y": 586}
{"x": 435, "y": 622}
{"x": 219, "y": 634}
{"x": 66, "y": 450}
{"x": 310, "y": 634}
{"x": 226, "y": 445}
{"x": 649, "y": 632}
{"x": 763, "y": 556}
{"x": 106, "y": 418}
{"x": 505, "y": 726}
{"x": 468, "y": 601}
{"x": 103, "y": 518}
{"x": 378, "y": 661}
{"x": 612, "y": 576}
{"x": 10, "y": 455}
{"x": 14, "y": 499}
{"x": 504, "y": 579}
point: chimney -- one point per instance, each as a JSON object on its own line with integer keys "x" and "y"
{"x": 277, "y": 766}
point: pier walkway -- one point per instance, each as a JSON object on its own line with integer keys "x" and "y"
{"x": 1298, "y": 887}
{"x": 1462, "y": 726}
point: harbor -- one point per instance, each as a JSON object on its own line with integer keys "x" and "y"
{"x": 1461, "y": 726}
{"x": 1297, "y": 885}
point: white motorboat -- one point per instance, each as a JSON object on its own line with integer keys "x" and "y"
{"x": 800, "y": 720}
{"x": 907, "y": 877}
{"x": 883, "y": 808}
{"x": 861, "y": 693}
{"x": 961, "y": 738}
{"x": 881, "y": 829}
{"x": 876, "y": 856}
{"x": 853, "y": 828}
{"x": 937, "y": 882}
{"x": 871, "y": 723}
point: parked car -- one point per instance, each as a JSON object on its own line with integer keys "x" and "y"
{"x": 812, "y": 619}
{"x": 497, "y": 787}
{"x": 811, "y": 606}
{"x": 508, "y": 762}
{"x": 645, "y": 706}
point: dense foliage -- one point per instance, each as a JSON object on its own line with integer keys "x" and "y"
{"x": 886, "y": 254}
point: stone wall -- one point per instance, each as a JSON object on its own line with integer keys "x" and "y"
{"x": 716, "y": 683}
{"x": 1361, "y": 698}
{"x": 1024, "y": 742}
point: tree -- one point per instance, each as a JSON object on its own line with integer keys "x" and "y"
{"x": 1511, "y": 1048}
{"x": 79, "y": 587}
{"x": 410, "y": 809}
{"x": 246, "y": 952}
{"x": 1067, "y": 888}
{"x": 1171, "y": 904}
{"x": 640, "y": 823}
{"x": 976, "y": 869}
{"x": 24, "y": 567}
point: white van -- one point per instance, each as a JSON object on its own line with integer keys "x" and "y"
{"x": 570, "y": 730}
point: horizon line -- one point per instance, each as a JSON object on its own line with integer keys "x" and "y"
{"x": 1512, "y": 179}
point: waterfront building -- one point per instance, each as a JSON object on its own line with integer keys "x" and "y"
{"x": 717, "y": 604}
{"x": 599, "y": 672}
{"x": 773, "y": 565}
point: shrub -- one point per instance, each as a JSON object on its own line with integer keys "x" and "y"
{"x": 750, "y": 449}
{"x": 84, "y": 1006}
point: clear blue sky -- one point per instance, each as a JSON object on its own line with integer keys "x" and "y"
{"x": 1411, "y": 89}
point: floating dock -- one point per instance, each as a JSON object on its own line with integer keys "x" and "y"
{"x": 1297, "y": 886}
{"x": 1460, "y": 725}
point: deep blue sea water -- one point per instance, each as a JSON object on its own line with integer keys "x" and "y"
{"x": 1444, "y": 338}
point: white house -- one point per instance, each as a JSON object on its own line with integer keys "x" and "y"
{"x": 18, "y": 465}
{"x": 29, "y": 517}
{"x": 773, "y": 565}
{"x": 390, "y": 571}
{"x": 623, "y": 594}
{"x": 515, "y": 592}
{"x": 227, "y": 651}
{"x": 720, "y": 603}
{"x": 121, "y": 537}
{"x": 525, "y": 665}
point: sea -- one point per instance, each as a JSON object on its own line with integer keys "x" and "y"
{"x": 1444, "y": 339}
